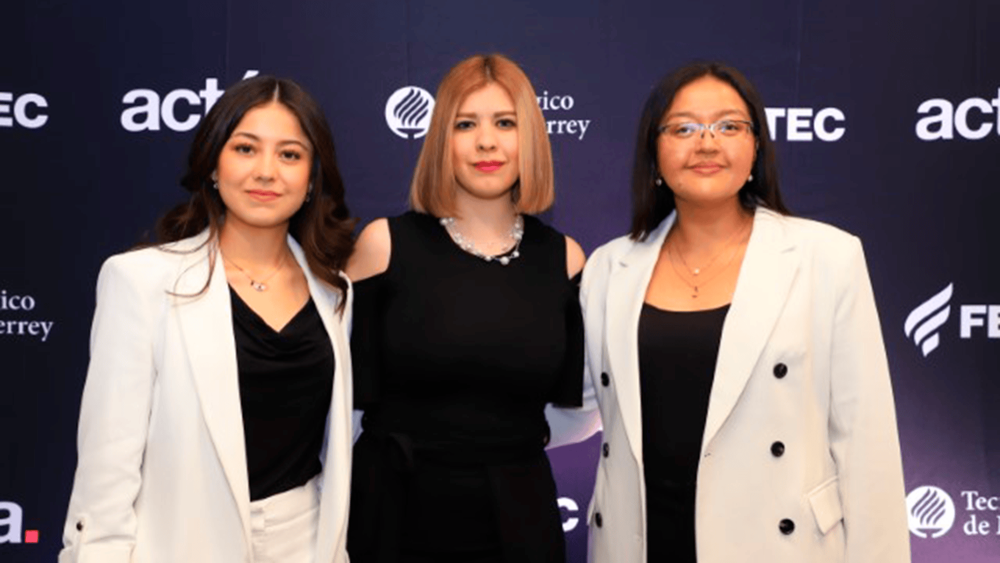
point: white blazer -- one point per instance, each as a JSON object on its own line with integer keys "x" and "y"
{"x": 162, "y": 471}
{"x": 801, "y": 361}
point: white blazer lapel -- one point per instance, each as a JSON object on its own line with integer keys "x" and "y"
{"x": 768, "y": 269}
{"x": 627, "y": 285}
{"x": 338, "y": 435}
{"x": 206, "y": 322}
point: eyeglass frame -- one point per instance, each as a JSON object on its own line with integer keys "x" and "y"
{"x": 710, "y": 127}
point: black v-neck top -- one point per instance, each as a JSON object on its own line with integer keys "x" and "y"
{"x": 677, "y": 357}
{"x": 286, "y": 383}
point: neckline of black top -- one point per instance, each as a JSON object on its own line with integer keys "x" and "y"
{"x": 719, "y": 309}
{"x": 247, "y": 312}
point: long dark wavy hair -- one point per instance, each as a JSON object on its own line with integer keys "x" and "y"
{"x": 322, "y": 226}
{"x": 652, "y": 203}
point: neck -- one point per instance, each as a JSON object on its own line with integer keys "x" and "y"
{"x": 700, "y": 227}
{"x": 484, "y": 217}
{"x": 252, "y": 246}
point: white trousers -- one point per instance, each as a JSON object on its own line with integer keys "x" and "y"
{"x": 284, "y": 525}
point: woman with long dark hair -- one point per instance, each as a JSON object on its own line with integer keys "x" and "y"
{"x": 736, "y": 355}
{"x": 215, "y": 423}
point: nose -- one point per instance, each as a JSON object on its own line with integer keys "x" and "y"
{"x": 486, "y": 141}
{"x": 707, "y": 142}
{"x": 264, "y": 169}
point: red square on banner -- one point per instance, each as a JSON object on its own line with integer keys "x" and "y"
{"x": 31, "y": 536}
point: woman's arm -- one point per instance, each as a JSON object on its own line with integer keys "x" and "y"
{"x": 572, "y": 425}
{"x": 114, "y": 417}
{"x": 371, "y": 251}
{"x": 370, "y": 258}
{"x": 863, "y": 436}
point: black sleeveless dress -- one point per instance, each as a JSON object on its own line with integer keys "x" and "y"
{"x": 454, "y": 361}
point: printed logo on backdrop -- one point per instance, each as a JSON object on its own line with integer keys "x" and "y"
{"x": 24, "y": 110}
{"x": 806, "y": 124}
{"x": 11, "y": 523}
{"x": 177, "y": 110}
{"x": 924, "y": 324}
{"x": 931, "y": 512}
{"x": 13, "y": 309}
{"x": 972, "y": 119}
{"x": 570, "y": 507}
{"x": 408, "y": 112}
{"x": 927, "y": 319}
{"x": 568, "y": 123}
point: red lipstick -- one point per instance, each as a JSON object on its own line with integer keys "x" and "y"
{"x": 488, "y": 165}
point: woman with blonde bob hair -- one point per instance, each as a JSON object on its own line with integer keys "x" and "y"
{"x": 467, "y": 324}
{"x": 534, "y": 191}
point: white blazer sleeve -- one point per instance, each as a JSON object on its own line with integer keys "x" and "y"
{"x": 114, "y": 416}
{"x": 863, "y": 436}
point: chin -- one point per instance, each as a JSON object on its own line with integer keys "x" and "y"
{"x": 489, "y": 192}
{"x": 262, "y": 221}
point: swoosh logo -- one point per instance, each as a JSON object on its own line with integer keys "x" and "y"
{"x": 923, "y": 322}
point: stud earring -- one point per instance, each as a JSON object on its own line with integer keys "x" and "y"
{"x": 659, "y": 181}
{"x": 750, "y": 179}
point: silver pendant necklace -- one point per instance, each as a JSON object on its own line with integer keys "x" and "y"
{"x": 260, "y": 284}
{"x": 516, "y": 234}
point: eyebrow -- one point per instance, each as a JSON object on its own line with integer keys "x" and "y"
{"x": 497, "y": 114}
{"x": 253, "y": 137}
{"x": 715, "y": 115}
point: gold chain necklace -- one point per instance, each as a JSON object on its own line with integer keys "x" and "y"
{"x": 702, "y": 282}
{"x": 697, "y": 271}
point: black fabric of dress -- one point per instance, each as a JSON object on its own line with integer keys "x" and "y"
{"x": 454, "y": 360}
{"x": 677, "y": 356}
{"x": 286, "y": 383}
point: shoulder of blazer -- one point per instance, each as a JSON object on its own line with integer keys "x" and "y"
{"x": 821, "y": 243}
{"x": 620, "y": 251}
{"x": 158, "y": 267}
{"x": 607, "y": 253}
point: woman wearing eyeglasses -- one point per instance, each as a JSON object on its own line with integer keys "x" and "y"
{"x": 736, "y": 356}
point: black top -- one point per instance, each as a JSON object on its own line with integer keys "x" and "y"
{"x": 677, "y": 356}
{"x": 454, "y": 360}
{"x": 286, "y": 383}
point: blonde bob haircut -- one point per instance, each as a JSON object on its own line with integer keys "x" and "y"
{"x": 434, "y": 185}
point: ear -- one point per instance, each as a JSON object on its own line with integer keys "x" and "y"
{"x": 214, "y": 176}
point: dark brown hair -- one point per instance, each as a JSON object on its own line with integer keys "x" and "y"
{"x": 322, "y": 226}
{"x": 652, "y": 203}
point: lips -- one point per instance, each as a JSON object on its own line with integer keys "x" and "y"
{"x": 263, "y": 195}
{"x": 488, "y": 165}
{"x": 706, "y": 168}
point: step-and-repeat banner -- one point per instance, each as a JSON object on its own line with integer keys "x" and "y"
{"x": 886, "y": 115}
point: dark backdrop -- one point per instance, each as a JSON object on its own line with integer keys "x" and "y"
{"x": 864, "y": 149}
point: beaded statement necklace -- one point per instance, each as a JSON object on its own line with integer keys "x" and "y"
{"x": 516, "y": 234}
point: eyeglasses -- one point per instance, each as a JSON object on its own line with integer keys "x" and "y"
{"x": 725, "y": 128}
